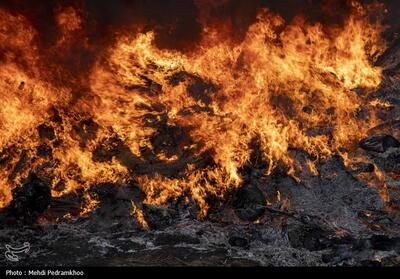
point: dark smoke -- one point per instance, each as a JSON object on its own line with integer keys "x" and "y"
{"x": 176, "y": 23}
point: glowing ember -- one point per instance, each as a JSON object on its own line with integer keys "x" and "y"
{"x": 138, "y": 215}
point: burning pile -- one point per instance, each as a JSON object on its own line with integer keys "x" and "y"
{"x": 183, "y": 124}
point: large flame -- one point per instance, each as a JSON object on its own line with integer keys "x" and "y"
{"x": 185, "y": 125}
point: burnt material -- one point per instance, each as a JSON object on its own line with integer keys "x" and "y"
{"x": 46, "y": 132}
{"x": 199, "y": 89}
{"x": 379, "y": 143}
{"x": 86, "y": 130}
{"x": 159, "y": 216}
{"x": 238, "y": 241}
{"x": 44, "y": 150}
{"x": 31, "y": 198}
{"x": 128, "y": 113}
{"x": 249, "y": 203}
{"x": 172, "y": 239}
{"x": 362, "y": 167}
{"x": 305, "y": 235}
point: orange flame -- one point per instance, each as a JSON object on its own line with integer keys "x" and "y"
{"x": 281, "y": 85}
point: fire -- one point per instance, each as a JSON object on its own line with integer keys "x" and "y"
{"x": 137, "y": 213}
{"x": 381, "y": 104}
{"x": 183, "y": 124}
{"x": 312, "y": 167}
{"x": 90, "y": 204}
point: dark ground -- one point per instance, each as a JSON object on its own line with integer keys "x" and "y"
{"x": 332, "y": 220}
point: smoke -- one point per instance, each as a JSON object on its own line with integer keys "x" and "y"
{"x": 177, "y": 24}
{"x": 174, "y": 21}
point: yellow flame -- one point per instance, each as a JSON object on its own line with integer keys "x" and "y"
{"x": 281, "y": 86}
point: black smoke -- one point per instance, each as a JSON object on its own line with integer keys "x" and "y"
{"x": 175, "y": 22}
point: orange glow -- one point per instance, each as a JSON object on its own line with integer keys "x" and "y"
{"x": 137, "y": 213}
{"x": 281, "y": 85}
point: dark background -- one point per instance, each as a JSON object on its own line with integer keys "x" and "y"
{"x": 177, "y": 23}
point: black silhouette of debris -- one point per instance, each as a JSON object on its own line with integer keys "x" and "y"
{"x": 379, "y": 143}
{"x": 30, "y": 198}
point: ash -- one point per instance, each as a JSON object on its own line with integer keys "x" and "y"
{"x": 333, "y": 219}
